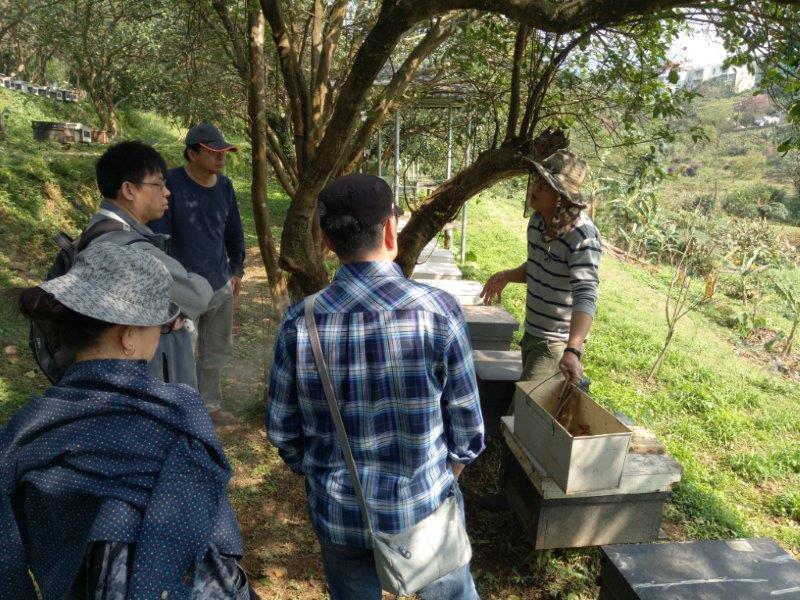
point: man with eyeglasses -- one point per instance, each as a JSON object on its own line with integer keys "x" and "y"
{"x": 206, "y": 234}
{"x": 131, "y": 178}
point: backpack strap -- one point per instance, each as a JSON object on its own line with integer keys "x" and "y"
{"x": 93, "y": 232}
{"x": 64, "y": 241}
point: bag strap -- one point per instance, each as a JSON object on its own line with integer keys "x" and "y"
{"x": 110, "y": 214}
{"x": 93, "y": 232}
{"x": 330, "y": 396}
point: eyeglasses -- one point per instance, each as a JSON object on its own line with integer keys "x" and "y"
{"x": 161, "y": 184}
{"x": 167, "y": 327}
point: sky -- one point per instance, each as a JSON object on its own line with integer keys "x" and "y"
{"x": 698, "y": 48}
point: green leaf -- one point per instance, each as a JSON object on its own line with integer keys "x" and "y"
{"x": 785, "y": 146}
{"x": 673, "y": 77}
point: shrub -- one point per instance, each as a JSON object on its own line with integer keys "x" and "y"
{"x": 740, "y": 204}
{"x": 786, "y": 505}
{"x": 774, "y": 211}
{"x": 736, "y": 151}
{"x": 704, "y": 204}
{"x": 765, "y": 201}
{"x": 792, "y": 204}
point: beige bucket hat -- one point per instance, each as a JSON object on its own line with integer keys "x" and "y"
{"x": 565, "y": 173}
{"x": 116, "y": 284}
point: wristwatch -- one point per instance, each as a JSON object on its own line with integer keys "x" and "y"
{"x": 575, "y": 351}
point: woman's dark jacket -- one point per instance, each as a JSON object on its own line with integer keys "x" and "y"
{"x": 111, "y": 453}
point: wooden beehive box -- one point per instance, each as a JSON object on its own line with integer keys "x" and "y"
{"x": 644, "y": 472}
{"x": 576, "y": 463}
{"x": 497, "y": 372}
{"x": 630, "y": 513}
{"x": 490, "y": 327}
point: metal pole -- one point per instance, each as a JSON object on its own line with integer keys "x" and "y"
{"x": 397, "y": 157}
{"x": 467, "y": 160}
{"x": 449, "y": 142}
{"x": 380, "y": 152}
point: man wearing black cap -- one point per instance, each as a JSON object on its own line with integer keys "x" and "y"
{"x": 207, "y": 238}
{"x": 400, "y": 361}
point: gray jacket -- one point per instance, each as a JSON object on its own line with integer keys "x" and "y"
{"x": 174, "y": 359}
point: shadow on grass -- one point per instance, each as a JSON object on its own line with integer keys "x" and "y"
{"x": 281, "y": 551}
{"x": 19, "y": 376}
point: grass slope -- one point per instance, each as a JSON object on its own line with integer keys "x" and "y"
{"x": 731, "y": 422}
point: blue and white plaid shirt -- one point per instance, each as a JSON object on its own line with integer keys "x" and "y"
{"x": 400, "y": 360}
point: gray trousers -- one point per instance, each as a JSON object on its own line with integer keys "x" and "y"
{"x": 214, "y": 345}
{"x": 174, "y": 359}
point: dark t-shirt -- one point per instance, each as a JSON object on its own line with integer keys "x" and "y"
{"x": 205, "y": 226}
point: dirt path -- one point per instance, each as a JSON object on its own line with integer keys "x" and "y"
{"x": 280, "y": 545}
{"x": 281, "y": 550}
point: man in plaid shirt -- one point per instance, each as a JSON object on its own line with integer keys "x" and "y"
{"x": 401, "y": 365}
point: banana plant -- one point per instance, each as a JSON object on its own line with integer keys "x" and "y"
{"x": 791, "y": 297}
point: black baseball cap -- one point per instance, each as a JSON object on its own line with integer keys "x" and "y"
{"x": 365, "y": 198}
{"x": 209, "y": 137}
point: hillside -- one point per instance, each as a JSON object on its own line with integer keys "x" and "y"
{"x": 736, "y": 156}
{"x": 725, "y": 414}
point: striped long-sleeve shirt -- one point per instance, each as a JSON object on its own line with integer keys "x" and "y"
{"x": 400, "y": 361}
{"x": 562, "y": 277}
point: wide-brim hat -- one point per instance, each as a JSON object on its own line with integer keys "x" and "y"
{"x": 565, "y": 173}
{"x": 209, "y": 137}
{"x": 116, "y": 284}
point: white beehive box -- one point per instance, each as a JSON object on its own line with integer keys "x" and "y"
{"x": 577, "y": 464}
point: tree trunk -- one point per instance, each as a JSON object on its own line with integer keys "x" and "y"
{"x": 99, "y": 108}
{"x": 112, "y": 123}
{"x": 661, "y": 356}
{"x": 444, "y": 204}
{"x": 301, "y": 254}
{"x": 256, "y": 107}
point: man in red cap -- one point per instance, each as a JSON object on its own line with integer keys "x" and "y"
{"x": 207, "y": 238}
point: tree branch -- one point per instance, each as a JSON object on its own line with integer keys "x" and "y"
{"x": 293, "y": 79}
{"x": 317, "y": 25}
{"x": 535, "y": 99}
{"x": 397, "y": 86}
{"x": 282, "y": 160}
{"x": 513, "y": 105}
{"x": 330, "y": 40}
{"x": 238, "y": 52}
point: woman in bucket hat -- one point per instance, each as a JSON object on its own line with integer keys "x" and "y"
{"x": 112, "y": 483}
{"x": 561, "y": 271}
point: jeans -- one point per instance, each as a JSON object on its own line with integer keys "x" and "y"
{"x": 351, "y": 575}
